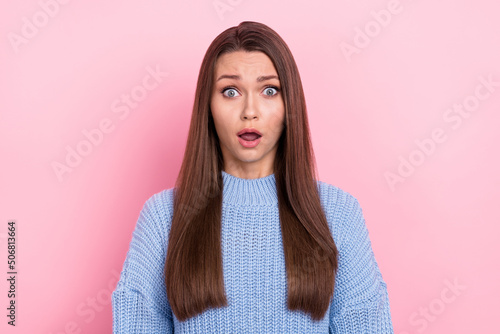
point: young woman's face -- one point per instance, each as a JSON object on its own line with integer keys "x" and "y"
{"x": 250, "y": 98}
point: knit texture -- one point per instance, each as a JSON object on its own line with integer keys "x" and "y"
{"x": 254, "y": 269}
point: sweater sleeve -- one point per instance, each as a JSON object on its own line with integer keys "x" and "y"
{"x": 360, "y": 302}
{"x": 139, "y": 301}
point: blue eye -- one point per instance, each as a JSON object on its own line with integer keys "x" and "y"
{"x": 270, "y": 88}
{"x": 231, "y": 90}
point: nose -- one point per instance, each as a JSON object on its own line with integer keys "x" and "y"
{"x": 250, "y": 110}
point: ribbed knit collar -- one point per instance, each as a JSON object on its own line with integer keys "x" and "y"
{"x": 249, "y": 191}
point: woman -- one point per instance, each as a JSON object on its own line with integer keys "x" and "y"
{"x": 248, "y": 241}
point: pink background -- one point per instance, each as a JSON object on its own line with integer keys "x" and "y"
{"x": 437, "y": 226}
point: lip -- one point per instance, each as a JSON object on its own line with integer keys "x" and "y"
{"x": 249, "y": 144}
{"x": 247, "y": 130}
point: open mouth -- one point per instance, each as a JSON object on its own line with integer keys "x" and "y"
{"x": 250, "y": 136}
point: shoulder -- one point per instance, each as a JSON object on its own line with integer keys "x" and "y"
{"x": 336, "y": 201}
{"x": 157, "y": 211}
{"x": 342, "y": 209}
{"x": 160, "y": 203}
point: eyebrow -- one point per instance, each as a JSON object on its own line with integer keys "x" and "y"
{"x": 259, "y": 79}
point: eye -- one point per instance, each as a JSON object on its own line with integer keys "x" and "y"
{"x": 269, "y": 90}
{"x": 231, "y": 92}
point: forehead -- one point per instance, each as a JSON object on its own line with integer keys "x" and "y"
{"x": 243, "y": 61}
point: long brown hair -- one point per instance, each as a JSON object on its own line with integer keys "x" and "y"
{"x": 193, "y": 267}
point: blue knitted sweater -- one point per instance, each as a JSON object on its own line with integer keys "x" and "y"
{"x": 254, "y": 269}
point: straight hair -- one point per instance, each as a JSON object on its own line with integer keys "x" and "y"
{"x": 193, "y": 266}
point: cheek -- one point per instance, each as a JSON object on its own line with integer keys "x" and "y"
{"x": 277, "y": 122}
{"x": 222, "y": 124}
{"x": 217, "y": 114}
